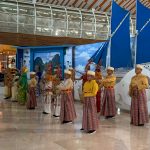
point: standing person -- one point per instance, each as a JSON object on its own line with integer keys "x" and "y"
{"x": 32, "y": 103}
{"x": 109, "y": 105}
{"x": 47, "y": 94}
{"x": 98, "y": 77}
{"x": 139, "y": 110}
{"x": 22, "y": 87}
{"x": 15, "y": 88}
{"x": 67, "y": 111}
{"x": 90, "y": 118}
{"x": 39, "y": 76}
{"x": 55, "y": 105}
{"x": 8, "y": 78}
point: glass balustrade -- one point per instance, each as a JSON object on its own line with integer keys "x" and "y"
{"x": 18, "y": 16}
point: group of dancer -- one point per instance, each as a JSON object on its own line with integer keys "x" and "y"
{"x": 98, "y": 95}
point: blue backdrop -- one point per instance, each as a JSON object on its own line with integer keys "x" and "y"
{"x": 143, "y": 38}
{"x": 120, "y": 43}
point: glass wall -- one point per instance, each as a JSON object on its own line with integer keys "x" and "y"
{"x": 44, "y": 19}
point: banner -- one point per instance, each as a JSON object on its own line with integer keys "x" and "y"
{"x": 143, "y": 37}
{"x": 120, "y": 52}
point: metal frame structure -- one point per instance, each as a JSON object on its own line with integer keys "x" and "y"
{"x": 50, "y": 20}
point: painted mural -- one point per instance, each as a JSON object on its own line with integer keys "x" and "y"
{"x": 45, "y": 60}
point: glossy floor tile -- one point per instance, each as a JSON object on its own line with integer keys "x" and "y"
{"x": 22, "y": 129}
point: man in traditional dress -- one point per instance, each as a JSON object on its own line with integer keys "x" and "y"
{"x": 47, "y": 93}
{"x": 32, "y": 103}
{"x": 67, "y": 112}
{"x": 22, "y": 87}
{"x": 109, "y": 105}
{"x": 90, "y": 118}
{"x": 55, "y": 105}
{"x": 8, "y": 81}
{"x": 15, "y": 88}
{"x": 98, "y": 77}
{"x": 139, "y": 110}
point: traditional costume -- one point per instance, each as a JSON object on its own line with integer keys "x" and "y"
{"x": 90, "y": 118}
{"x": 98, "y": 77}
{"x": 47, "y": 94}
{"x": 55, "y": 105}
{"x": 32, "y": 103}
{"x": 109, "y": 105}
{"x": 15, "y": 89}
{"x": 8, "y": 81}
{"x": 67, "y": 112}
{"x": 139, "y": 110}
{"x": 22, "y": 87}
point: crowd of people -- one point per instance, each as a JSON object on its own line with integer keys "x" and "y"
{"x": 58, "y": 98}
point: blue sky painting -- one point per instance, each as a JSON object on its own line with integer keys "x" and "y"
{"x": 83, "y": 53}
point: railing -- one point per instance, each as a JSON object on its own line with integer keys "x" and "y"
{"x": 50, "y": 20}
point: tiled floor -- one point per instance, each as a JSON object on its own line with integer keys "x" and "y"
{"x": 22, "y": 129}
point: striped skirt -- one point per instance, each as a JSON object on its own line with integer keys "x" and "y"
{"x": 31, "y": 102}
{"x": 98, "y": 101}
{"x": 90, "y": 118}
{"x": 67, "y": 110}
{"x": 109, "y": 104}
{"x": 139, "y": 110}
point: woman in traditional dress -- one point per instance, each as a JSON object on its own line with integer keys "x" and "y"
{"x": 22, "y": 87}
{"x": 47, "y": 93}
{"x": 67, "y": 111}
{"x": 32, "y": 103}
{"x": 109, "y": 104}
{"x": 139, "y": 109}
{"x": 90, "y": 118}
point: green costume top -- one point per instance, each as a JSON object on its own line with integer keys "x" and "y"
{"x": 22, "y": 90}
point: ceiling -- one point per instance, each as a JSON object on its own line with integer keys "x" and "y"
{"x": 98, "y": 5}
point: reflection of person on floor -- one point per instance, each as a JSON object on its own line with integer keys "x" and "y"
{"x": 55, "y": 105}
{"x": 67, "y": 112}
{"x": 47, "y": 94}
{"x": 15, "y": 89}
{"x": 98, "y": 77}
{"x": 32, "y": 103}
{"x": 109, "y": 105}
{"x": 90, "y": 118}
{"x": 22, "y": 87}
{"x": 8, "y": 78}
{"x": 139, "y": 109}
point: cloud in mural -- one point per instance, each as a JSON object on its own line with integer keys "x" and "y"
{"x": 80, "y": 68}
{"x": 84, "y": 55}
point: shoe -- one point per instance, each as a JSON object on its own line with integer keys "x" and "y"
{"x": 64, "y": 122}
{"x": 91, "y": 131}
{"x": 108, "y": 117}
{"x": 141, "y": 125}
{"x": 45, "y": 112}
{"x": 81, "y": 129}
{"x": 56, "y": 116}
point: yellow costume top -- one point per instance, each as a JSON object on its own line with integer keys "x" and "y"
{"x": 109, "y": 81}
{"x": 90, "y": 88}
{"x": 32, "y": 82}
{"x": 140, "y": 80}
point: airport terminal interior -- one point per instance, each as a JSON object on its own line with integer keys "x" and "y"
{"x": 74, "y": 75}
